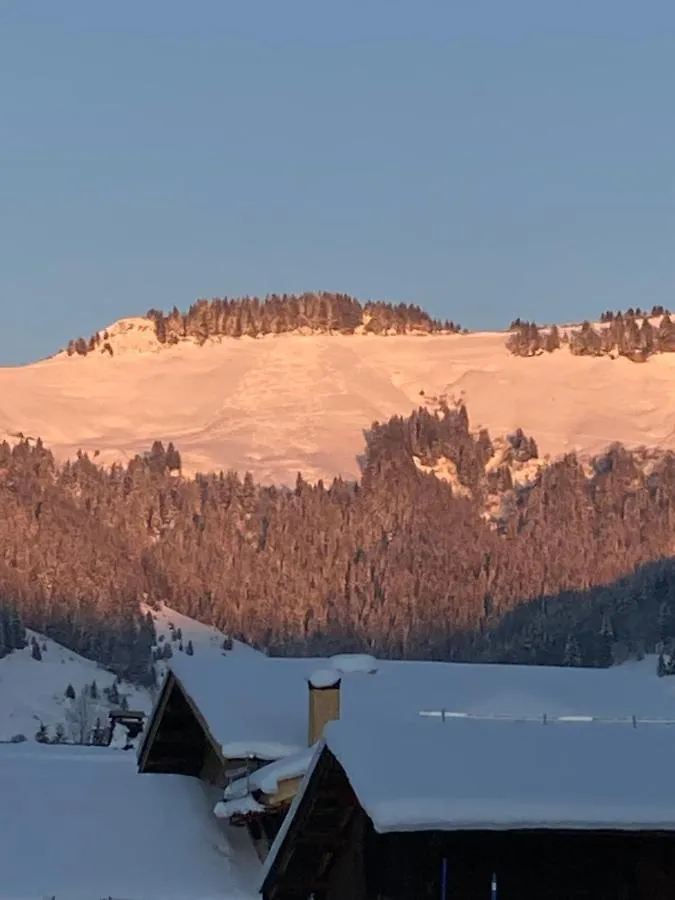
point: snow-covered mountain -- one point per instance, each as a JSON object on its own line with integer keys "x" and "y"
{"x": 278, "y": 404}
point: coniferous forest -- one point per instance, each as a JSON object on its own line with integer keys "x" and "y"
{"x": 633, "y": 334}
{"x": 321, "y": 312}
{"x": 574, "y": 569}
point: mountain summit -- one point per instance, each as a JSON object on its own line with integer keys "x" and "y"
{"x": 285, "y": 396}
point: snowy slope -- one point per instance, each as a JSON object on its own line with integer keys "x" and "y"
{"x": 276, "y": 405}
{"x": 207, "y": 642}
{"x": 32, "y": 692}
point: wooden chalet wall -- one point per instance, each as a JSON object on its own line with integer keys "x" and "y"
{"x": 530, "y": 865}
{"x": 178, "y": 741}
{"x": 331, "y": 851}
{"x": 322, "y": 851}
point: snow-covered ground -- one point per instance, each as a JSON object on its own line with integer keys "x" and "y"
{"x": 276, "y": 405}
{"x": 79, "y": 823}
{"x": 33, "y": 692}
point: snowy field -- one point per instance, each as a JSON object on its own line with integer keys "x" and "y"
{"x": 79, "y": 823}
{"x": 276, "y": 405}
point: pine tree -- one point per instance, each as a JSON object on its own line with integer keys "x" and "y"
{"x": 173, "y": 460}
{"x": 97, "y": 733}
{"x": 572, "y": 656}
{"x": 114, "y": 694}
{"x": 42, "y": 735}
{"x": 4, "y": 648}
{"x": 552, "y": 340}
{"x": 93, "y": 691}
{"x": 70, "y": 692}
{"x": 190, "y": 650}
{"x": 59, "y": 734}
{"x": 605, "y": 641}
{"x": 664, "y": 620}
{"x": 35, "y": 650}
{"x": 17, "y": 633}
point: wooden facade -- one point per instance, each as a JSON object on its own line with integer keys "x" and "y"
{"x": 179, "y": 742}
{"x": 330, "y": 851}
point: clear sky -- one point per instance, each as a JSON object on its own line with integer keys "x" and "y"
{"x": 484, "y": 158}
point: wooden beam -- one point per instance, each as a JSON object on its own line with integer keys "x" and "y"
{"x": 175, "y": 736}
{"x": 166, "y": 764}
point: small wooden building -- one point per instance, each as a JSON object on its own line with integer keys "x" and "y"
{"x": 477, "y": 809}
{"x": 279, "y": 715}
{"x": 132, "y": 720}
{"x": 221, "y": 725}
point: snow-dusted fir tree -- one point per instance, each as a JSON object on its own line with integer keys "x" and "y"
{"x": 572, "y": 655}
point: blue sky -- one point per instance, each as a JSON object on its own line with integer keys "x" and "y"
{"x": 485, "y": 159}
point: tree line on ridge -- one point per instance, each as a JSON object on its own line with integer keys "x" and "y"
{"x": 321, "y": 312}
{"x": 631, "y": 335}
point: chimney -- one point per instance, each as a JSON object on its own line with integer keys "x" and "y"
{"x": 324, "y": 701}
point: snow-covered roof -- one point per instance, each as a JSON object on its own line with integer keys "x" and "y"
{"x": 509, "y": 774}
{"x": 238, "y": 795}
{"x": 80, "y": 823}
{"x": 268, "y": 778}
{"x": 259, "y": 705}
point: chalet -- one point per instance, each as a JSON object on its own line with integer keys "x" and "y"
{"x": 246, "y": 728}
{"x": 249, "y": 725}
{"x": 471, "y": 807}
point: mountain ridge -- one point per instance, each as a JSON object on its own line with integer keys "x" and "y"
{"x": 284, "y": 403}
